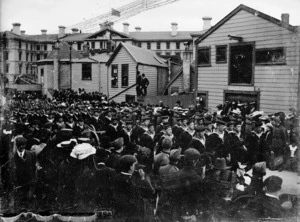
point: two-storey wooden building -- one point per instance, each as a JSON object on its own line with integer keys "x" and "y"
{"x": 250, "y": 56}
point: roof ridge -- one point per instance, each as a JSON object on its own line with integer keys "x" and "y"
{"x": 250, "y": 10}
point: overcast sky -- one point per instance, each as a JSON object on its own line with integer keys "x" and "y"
{"x": 35, "y": 15}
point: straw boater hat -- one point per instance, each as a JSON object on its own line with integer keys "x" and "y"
{"x": 82, "y": 151}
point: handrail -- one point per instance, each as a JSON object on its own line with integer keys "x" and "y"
{"x": 173, "y": 80}
{"x": 124, "y": 90}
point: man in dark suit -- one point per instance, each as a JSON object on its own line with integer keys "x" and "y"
{"x": 184, "y": 186}
{"x": 103, "y": 179}
{"x": 186, "y": 136}
{"x": 268, "y": 205}
{"x": 112, "y": 129}
{"x": 129, "y": 190}
{"x": 145, "y": 84}
{"x": 162, "y": 159}
{"x": 24, "y": 174}
{"x": 139, "y": 84}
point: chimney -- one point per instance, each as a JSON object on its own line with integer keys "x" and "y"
{"x": 174, "y": 29}
{"x": 23, "y": 32}
{"x": 206, "y": 22}
{"x": 85, "y": 50}
{"x": 126, "y": 28}
{"x": 44, "y": 31}
{"x": 61, "y": 31}
{"x": 75, "y": 30}
{"x": 138, "y": 29}
{"x": 285, "y": 18}
{"x": 16, "y": 28}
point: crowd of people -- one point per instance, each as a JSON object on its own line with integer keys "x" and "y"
{"x": 77, "y": 152}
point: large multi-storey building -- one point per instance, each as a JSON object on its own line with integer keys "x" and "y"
{"x": 20, "y": 52}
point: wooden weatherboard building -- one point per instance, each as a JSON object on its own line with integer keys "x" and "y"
{"x": 123, "y": 65}
{"x": 250, "y": 56}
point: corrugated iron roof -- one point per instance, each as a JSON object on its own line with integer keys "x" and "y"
{"x": 37, "y": 38}
{"x": 42, "y": 38}
{"x": 76, "y": 37}
{"x": 164, "y": 35}
{"x": 140, "y": 55}
{"x": 103, "y": 57}
{"x": 64, "y": 52}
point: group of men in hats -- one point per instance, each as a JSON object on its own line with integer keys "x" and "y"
{"x": 82, "y": 153}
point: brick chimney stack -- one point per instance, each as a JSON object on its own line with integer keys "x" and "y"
{"x": 44, "y": 31}
{"x": 22, "y": 32}
{"x": 16, "y": 28}
{"x": 206, "y": 22}
{"x": 285, "y": 18}
{"x": 126, "y": 28}
{"x": 174, "y": 29}
{"x": 61, "y": 31}
{"x": 138, "y": 29}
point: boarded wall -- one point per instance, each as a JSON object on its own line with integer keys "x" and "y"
{"x": 186, "y": 100}
{"x": 89, "y": 85}
{"x": 277, "y": 84}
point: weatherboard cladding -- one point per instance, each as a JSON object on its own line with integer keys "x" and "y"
{"x": 88, "y": 85}
{"x": 124, "y": 57}
{"x": 177, "y": 83}
{"x": 277, "y": 84}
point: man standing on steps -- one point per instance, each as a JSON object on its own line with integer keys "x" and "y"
{"x": 145, "y": 84}
{"x": 139, "y": 84}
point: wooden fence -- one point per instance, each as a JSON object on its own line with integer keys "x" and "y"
{"x": 186, "y": 100}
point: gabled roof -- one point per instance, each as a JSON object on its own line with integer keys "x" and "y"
{"x": 140, "y": 55}
{"x": 103, "y": 57}
{"x": 250, "y": 10}
{"x": 164, "y": 35}
{"x": 84, "y": 60}
{"x": 113, "y": 31}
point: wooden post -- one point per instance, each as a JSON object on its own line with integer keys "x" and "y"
{"x": 196, "y": 72}
{"x": 298, "y": 73}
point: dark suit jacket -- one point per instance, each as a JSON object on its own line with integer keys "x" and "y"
{"x": 185, "y": 139}
{"x": 263, "y": 206}
{"x": 197, "y": 144}
{"x": 128, "y": 192}
{"x": 24, "y": 169}
{"x": 112, "y": 132}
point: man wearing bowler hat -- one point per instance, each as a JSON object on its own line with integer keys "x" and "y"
{"x": 268, "y": 205}
{"x": 24, "y": 174}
